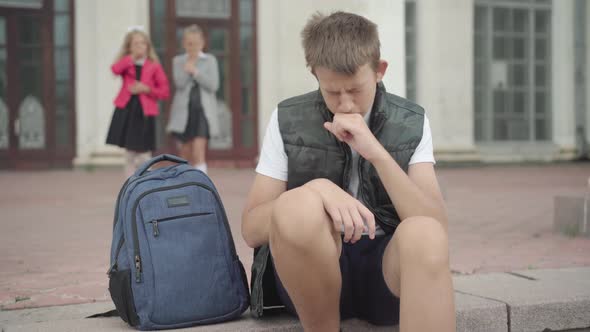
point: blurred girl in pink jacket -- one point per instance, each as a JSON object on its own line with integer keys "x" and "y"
{"x": 143, "y": 83}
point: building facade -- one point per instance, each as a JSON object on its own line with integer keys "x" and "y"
{"x": 501, "y": 80}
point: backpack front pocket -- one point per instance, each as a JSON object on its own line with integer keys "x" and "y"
{"x": 187, "y": 264}
{"x": 189, "y": 246}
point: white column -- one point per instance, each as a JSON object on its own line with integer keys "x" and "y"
{"x": 390, "y": 19}
{"x": 281, "y": 63}
{"x": 268, "y": 35}
{"x": 86, "y": 84}
{"x": 444, "y": 71}
{"x": 100, "y": 29}
{"x": 562, "y": 71}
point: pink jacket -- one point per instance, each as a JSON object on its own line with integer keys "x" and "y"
{"x": 152, "y": 75}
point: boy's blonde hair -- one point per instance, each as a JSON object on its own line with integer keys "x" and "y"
{"x": 341, "y": 42}
{"x": 126, "y": 47}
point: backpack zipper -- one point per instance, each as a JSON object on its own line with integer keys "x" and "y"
{"x": 155, "y": 222}
{"x": 114, "y": 266}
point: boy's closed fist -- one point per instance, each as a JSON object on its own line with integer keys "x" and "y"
{"x": 351, "y": 129}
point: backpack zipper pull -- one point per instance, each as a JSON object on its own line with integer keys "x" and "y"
{"x": 137, "y": 269}
{"x": 155, "y": 227}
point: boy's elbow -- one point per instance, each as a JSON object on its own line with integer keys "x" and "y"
{"x": 251, "y": 232}
{"x": 247, "y": 235}
{"x": 250, "y": 243}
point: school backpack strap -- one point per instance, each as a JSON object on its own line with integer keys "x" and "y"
{"x": 110, "y": 313}
{"x": 115, "y": 313}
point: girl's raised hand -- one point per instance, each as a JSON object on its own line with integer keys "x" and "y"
{"x": 133, "y": 88}
{"x": 189, "y": 67}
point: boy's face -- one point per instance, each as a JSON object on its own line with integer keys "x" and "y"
{"x": 350, "y": 93}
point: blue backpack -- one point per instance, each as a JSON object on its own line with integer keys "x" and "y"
{"x": 173, "y": 259}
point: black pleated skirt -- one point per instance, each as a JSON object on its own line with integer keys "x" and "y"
{"x": 197, "y": 125}
{"x": 131, "y": 129}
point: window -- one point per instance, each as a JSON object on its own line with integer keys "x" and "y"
{"x": 62, "y": 49}
{"x": 512, "y": 70}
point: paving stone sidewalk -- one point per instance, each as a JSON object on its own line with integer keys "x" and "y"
{"x": 56, "y": 225}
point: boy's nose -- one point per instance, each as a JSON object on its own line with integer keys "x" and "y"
{"x": 346, "y": 105}
{"x": 345, "y": 109}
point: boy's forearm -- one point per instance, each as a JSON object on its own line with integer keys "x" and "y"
{"x": 256, "y": 224}
{"x": 409, "y": 200}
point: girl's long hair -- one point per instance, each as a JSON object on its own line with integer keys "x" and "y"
{"x": 126, "y": 47}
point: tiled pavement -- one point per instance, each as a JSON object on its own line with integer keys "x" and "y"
{"x": 55, "y": 226}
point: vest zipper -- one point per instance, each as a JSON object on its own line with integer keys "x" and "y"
{"x": 347, "y": 165}
{"x": 378, "y": 126}
{"x": 137, "y": 254}
{"x": 329, "y": 116}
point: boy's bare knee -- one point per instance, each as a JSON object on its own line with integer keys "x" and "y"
{"x": 423, "y": 241}
{"x": 297, "y": 216}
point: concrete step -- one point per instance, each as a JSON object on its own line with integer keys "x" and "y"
{"x": 536, "y": 300}
{"x": 532, "y": 300}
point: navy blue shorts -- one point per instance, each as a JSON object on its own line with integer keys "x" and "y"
{"x": 364, "y": 294}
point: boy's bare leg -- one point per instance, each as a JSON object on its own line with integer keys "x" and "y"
{"x": 416, "y": 268}
{"x": 306, "y": 251}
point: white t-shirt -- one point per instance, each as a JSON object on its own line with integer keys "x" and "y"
{"x": 273, "y": 160}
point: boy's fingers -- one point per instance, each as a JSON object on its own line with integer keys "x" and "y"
{"x": 369, "y": 219}
{"x": 358, "y": 224}
{"x": 341, "y": 134}
{"x": 348, "y": 225}
{"x": 332, "y": 128}
{"x": 336, "y": 218}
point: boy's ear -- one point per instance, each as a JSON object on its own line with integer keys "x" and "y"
{"x": 381, "y": 69}
{"x": 312, "y": 71}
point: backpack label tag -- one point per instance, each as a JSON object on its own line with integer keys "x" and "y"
{"x": 177, "y": 201}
